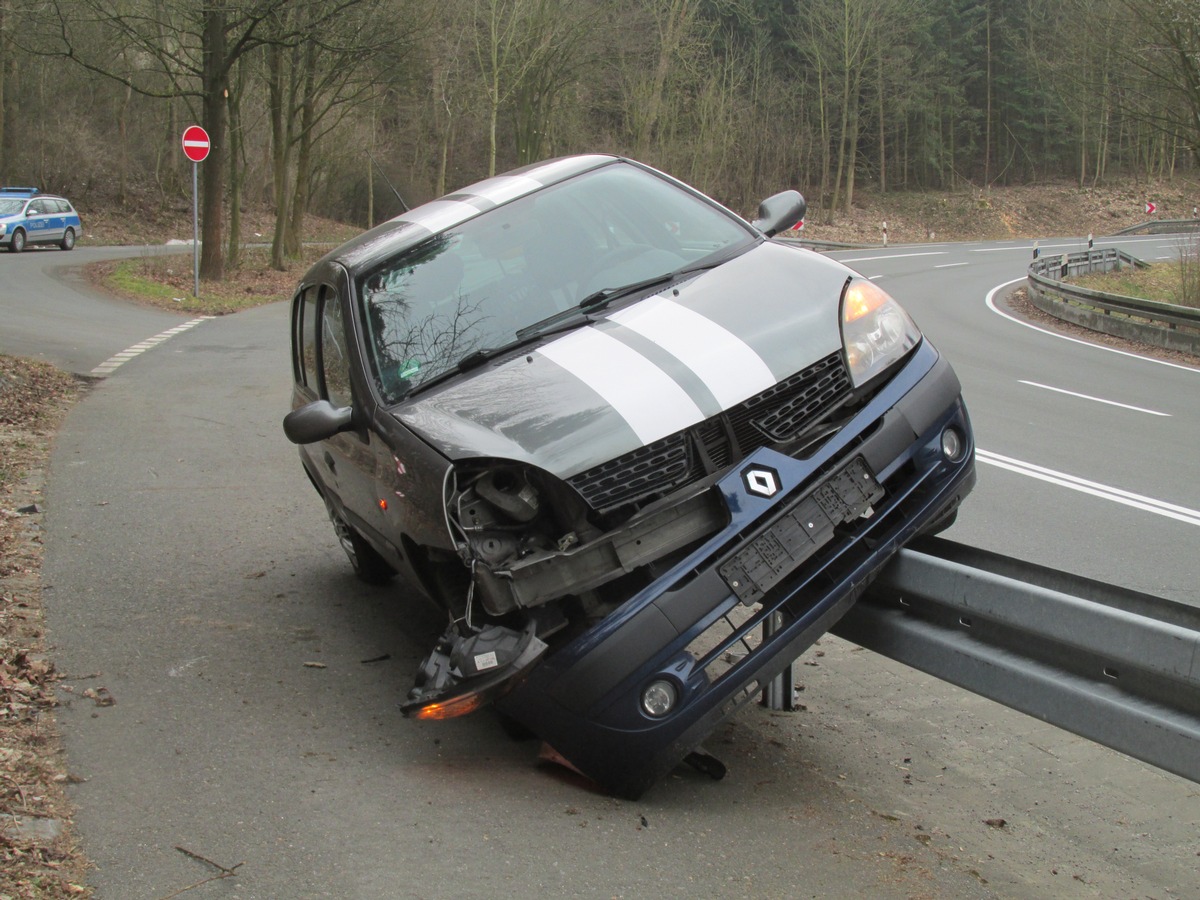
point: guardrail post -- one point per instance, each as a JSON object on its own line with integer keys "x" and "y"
{"x": 780, "y": 692}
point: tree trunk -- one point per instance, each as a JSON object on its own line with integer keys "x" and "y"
{"x": 215, "y": 84}
{"x": 234, "y": 251}
{"x": 280, "y": 153}
{"x": 302, "y": 191}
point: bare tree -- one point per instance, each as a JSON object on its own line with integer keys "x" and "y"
{"x": 207, "y": 39}
{"x": 1169, "y": 58}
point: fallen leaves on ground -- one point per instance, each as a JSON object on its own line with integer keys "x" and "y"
{"x": 38, "y": 854}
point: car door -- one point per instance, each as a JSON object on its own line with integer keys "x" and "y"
{"x": 37, "y": 222}
{"x": 64, "y": 217}
{"x": 348, "y": 459}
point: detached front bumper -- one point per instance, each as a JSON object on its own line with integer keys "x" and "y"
{"x": 801, "y": 546}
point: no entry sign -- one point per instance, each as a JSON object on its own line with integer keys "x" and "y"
{"x": 195, "y": 143}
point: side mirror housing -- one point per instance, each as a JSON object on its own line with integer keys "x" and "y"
{"x": 780, "y": 212}
{"x": 316, "y": 421}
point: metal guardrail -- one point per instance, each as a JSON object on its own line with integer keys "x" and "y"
{"x": 1162, "y": 226}
{"x": 823, "y": 245}
{"x": 1162, "y": 324}
{"x": 1115, "y": 666}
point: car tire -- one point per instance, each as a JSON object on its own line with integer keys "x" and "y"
{"x": 68, "y": 239}
{"x": 368, "y": 565}
{"x": 17, "y": 244}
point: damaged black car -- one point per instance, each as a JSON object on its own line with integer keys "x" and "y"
{"x": 613, "y": 430}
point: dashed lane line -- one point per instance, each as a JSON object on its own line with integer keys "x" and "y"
{"x": 113, "y": 363}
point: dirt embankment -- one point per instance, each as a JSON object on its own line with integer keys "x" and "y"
{"x": 1029, "y": 211}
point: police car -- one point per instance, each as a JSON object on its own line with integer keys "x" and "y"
{"x": 28, "y": 216}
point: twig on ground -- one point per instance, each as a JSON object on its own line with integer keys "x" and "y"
{"x": 20, "y": 790}
{"x": 225, "y": 872}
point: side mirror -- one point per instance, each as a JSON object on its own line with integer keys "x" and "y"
{"x": 316, "y": 421}
{"x": 780, "y": 212}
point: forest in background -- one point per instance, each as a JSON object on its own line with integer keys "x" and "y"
{"x": 334, "y": 107}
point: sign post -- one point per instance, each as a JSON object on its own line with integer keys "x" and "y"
{"x": 195, "y": 147}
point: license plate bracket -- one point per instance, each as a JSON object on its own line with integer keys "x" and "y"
{"x": 793, "y": 536}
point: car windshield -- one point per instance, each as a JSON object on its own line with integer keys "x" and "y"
{"x": 475, "y": 286}
{"x": 9, "y": 206}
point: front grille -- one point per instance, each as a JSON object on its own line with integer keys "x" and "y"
{"x": 780, "y": 413}
{"x": 660, "y": 466}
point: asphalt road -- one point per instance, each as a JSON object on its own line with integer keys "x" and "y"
{"x": 190, "y": 571}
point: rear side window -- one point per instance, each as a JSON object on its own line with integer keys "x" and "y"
{"x": 307, "y": 339}
{"x": 335, "y": 360}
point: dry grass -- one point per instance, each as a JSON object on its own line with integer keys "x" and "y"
{"x": 1027, "y": 212}
{"x": 1175, "y": 282}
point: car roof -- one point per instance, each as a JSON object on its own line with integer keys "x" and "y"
{"x": 421, "y": 223}
{"x": 27, "y": 193}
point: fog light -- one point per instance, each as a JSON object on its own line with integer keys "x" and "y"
{"x": 659, "y": 698}
{"x": 952, "y": 444}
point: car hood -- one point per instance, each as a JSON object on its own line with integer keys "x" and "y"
{"x": 643, "y": 371}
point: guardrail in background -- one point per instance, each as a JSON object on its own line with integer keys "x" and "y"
{"x": 822, "y": 245}
{"x": 1118, "y": 667}
{"x": 1162, "y": 324}
{"x": 1162, "y": 226}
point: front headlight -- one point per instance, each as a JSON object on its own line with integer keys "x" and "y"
{"x": 3, "y": 229}
{"x": 876, "y": 331}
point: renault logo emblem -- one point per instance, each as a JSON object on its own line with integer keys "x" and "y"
{"x": 762, "y": 481}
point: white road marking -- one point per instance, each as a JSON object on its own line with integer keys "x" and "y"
{"x": 1047, "y": 387}
{"x": 114, "y": 362}
{"x": 991, "y": 303}
{"x": 1027, "y": 248}
{"x": 1104, "y": 492}
{"x": 951, "y": 265}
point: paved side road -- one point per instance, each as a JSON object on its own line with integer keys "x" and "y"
{"x": 189, "y": 570}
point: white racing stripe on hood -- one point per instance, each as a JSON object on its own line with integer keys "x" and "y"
{"x": 728, "y": 366}
{"x": 650, "y": 401}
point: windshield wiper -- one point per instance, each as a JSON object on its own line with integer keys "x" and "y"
{"x": 578, "y": 314}
{"x": 483, "y": 355}
{"x": 601, "y": 298}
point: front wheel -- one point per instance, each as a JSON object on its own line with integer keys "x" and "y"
{"x": 68, "y": 239}
{"x": 17, "y": 244}
{"x": 368, "y": 565}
